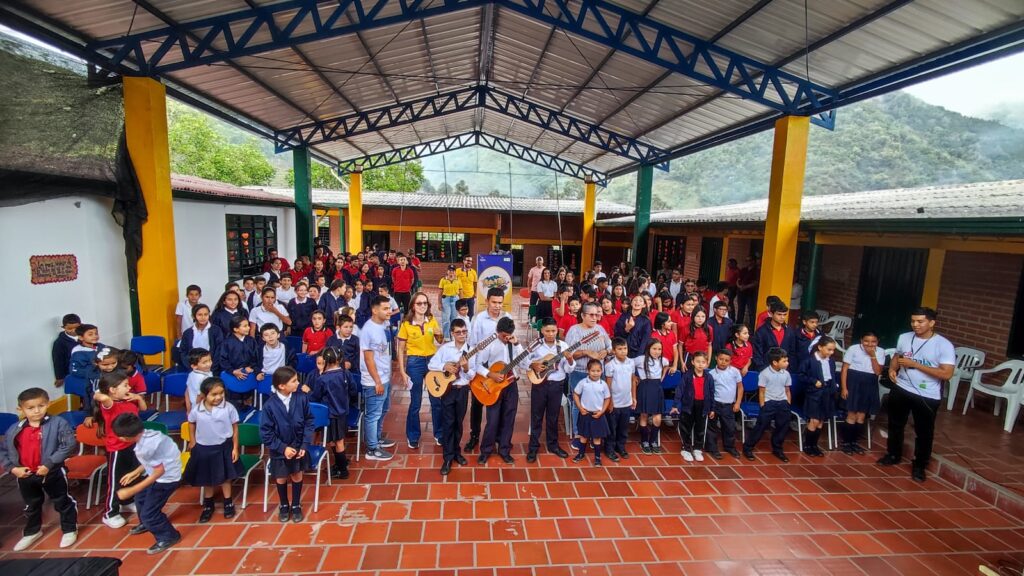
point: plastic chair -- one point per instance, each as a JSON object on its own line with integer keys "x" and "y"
{"x": 839, "y": 325}
{"x": 248, "y": 437}
{"x": 186, "y": 435}
{"x": 150, "y": 346}
{"x": 247, "y": 386}
{"x": 7, "y": 420}
{"x": 154, "y": 386}
{"x": 294, "y": 343}
{"x": 304, "y": 364}
{"x": 967, "y": 361}
{"x": 1012, "y": 389}
{"x": 317, "y": 455}
{"x": 158, "y": 426}
{"x": 750, "y": 410}
{"x": 524, "y": 304}
{"x": 174, "y": 385}
{"x": 822, "y": 316}
{"x": 88, "y": 467}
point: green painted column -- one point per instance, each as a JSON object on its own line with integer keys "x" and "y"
{"x": 642, "y": 219}
{"x": 303, "y": 203}
{"x": 813, "y": 270}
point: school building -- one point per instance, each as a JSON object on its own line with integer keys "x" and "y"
{"x": 873, "y": 256}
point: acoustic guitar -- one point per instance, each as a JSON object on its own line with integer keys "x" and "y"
{"x": 438, "y": 381}
{"x": 551, "y": 360}
{"x": 487, "y": 390}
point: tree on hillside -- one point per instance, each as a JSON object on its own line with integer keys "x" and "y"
{"x": 571, "y": 189}
{"x": 197, "y": 149}
{"x": 461, "y": 188}
{"x": 404, "y": 177}
{"x": 322, "y": 176}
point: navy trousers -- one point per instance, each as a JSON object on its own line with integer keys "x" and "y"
{"x": 453, "y": 412}
{"x": 776, "y": 411}
{"x": 501, "y": 418}
{"x": 545, "y": 402}
{"x": 150, "y": 503}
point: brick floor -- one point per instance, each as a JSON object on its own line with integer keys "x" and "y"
{"x": 651, "y": 514}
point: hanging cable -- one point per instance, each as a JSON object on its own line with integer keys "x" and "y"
{"x": 511, "y": 236}
{"x": 558, "y": 212}
{"x": 448, "y": 207}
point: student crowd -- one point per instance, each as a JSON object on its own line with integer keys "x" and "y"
{"x": 616, "y": 348}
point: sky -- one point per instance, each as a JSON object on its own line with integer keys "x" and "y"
{"x": 973, "y": 91}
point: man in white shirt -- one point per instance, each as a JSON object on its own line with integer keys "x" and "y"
{"x": 451, "y": 358}
{"x": 598, "y": 274}
{"x": 675, "y": 285}
{"x": 501, "y": 416}
{"x": 923, "y": 360}
{"x": 483, "y": 326}
{"x": 184, "y": 309}
{"x": 375, "y": 376}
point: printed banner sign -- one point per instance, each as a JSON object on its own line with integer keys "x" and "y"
{"x": 53, "y": 268}
{"x": 493, "y": 271}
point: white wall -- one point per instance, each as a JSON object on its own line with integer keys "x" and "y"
{"x": 81, "y": 226}
{"x": 201, "y": 242}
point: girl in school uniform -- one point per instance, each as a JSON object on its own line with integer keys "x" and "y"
{"x": 546, "y": 291}
{"x": 618, "y": 298}
{"x": 741, "y": 348}
{"x": 334, "y": 388}
{"x": 862, "y": 365}
{"x": 649, "y": 370}
{"x": 634, "y": 327}
{"x": 669, "y": 345}
{"x": 608, "y": 315}
{"x": 698, "y": 337}
{"x": 228, "y": 306}
{"x": 569, "y": 319}
{"x": 214, "y": 459}
{"x": 113, "y": 398}
{"x": 817, "y": 378}
{"x": 239, "y": 355}
{"x": 202, "y": 334}
{"x": 693, "y": 401}
{"x": 300, "y": 310}
{"x": 593, "y": 398}
{"x": 314, "y": 338}
{"x": 286, "y": 429}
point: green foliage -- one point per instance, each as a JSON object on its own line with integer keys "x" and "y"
{"x": 571, "y": 189}
{"x": 322, "y": 176}
{"x": 198, "y": 149}
{"x": 461, "y": 188}
{"x": 404, "y": 177}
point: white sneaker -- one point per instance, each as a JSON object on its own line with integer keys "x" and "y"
{"x": 27, "y": 541}
{"x": 687, "y": 456}
{"x": 698, "y": 455}
{"x": 130, "y": 507}
{"x": 114, "y": 521}
{"x": 68, "y": 540}
{"x": 437, "y": 441}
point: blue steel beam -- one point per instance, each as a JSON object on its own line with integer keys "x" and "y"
{"x": 466, "y": 140}
{"x": 249, "y": 32}
{"x": 479, "y": 97}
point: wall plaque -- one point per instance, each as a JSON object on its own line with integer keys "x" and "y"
{"x": 53, "y": 268}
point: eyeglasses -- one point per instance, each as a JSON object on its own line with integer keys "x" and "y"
{"x": 421, "y": 303}
{"x": 460, "y": 331}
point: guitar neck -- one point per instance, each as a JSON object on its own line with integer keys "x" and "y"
{"x": 480, "y": 346}
{"x": 519, "y": 358}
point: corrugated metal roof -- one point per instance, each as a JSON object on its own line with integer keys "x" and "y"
{"x": 964, "y": 201}
{"x": 215, "y": 190}
{"x": 321, "y": 79}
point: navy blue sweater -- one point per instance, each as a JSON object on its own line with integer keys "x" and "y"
{"x": 636, "y": 339}
{"x": 301, "y": 315}
{"x": 349, "y": 349}
{"x": 334, "y": 388}
{"x": 329, "y": 305}
{"x": 719, "y": 334}
{"x": 764, "y": 340}
{"x": 61, "y": 355}
{"x": 221, "y": 318}
{"x": 235, "y": 354}
{"x": 811, "y": 372}
{"x": 282, "y": 427}
{"x": 185, "y": 347}
{"x": 803, "y": 344}
{"x": 685, "y": 392}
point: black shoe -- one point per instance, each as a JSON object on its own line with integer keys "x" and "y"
{"x": 733, "y": 452}
{"x": 623, "y": 454}
{"x": 716, "y": 455}
{"x": 297, "y": 514}
{"x": 531, "y": 456}
{"x": 461, "y": 460}
{"x": 206, "y": 514}
{"x": 473, "y": 441}
{"x": 559, "y": 452}
{"x": 858, "y": 449}
{"x": 229, "y": 509}
{"x": 888, "y": 460}
{"x": 597, "y": 461}
{"x": 847, "y": 449}
{"x": 748, "y": 454}
{"x": 612, "y": 456}
{"x": 645, "y": 448}
{"x": 508, "y": 458}
{"x": 483, "y": 459}
{"x": 579, "y": 456}
{"x": 161, "y": 546}
{"x": 284, "y": 513}
{"x": 781, "y": 456}
{"x": 446, "y": 467}
{"x": 414, "y": 445}
{"x": 139, "y": 529}
{"x": 918, "y": 474}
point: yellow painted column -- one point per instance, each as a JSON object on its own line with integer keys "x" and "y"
{"x": 145, "y": 121}
{"x": 589, "y": 219}
{"x": 785, "y": 191}
{"x": 355, "y": 211}
{"x": 933, "y": 277}
{"x": 725, "y": 258}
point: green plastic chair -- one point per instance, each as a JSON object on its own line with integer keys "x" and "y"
{"x": 158, "y": 426}
{"x": 248, "y": 437}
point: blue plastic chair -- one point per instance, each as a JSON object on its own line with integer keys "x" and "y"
{"x": 75, "y": 386}
{"x": 247, "y": 386}
{"x": 174, "y": 385}
{"x": 6, "y": 421}
{"x": 749, "y": 409}
{"x": 671, "y": 382}
{"x": 154, "y": 386}
{"x": 74, "y": 417}
{"x": 294, "y": 342}
{"x": 304, "y": 364}
{"x": 150, "y": 346}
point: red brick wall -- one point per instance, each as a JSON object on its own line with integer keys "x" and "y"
{"x": 335, "y": 222}
{"x": 691, "y": 262}
{"x": 976, "y": 301}
{"x": 739, "y": 248}
{"x": 840, "y": 277}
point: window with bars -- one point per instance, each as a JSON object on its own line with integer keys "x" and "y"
{"x": 441, "y": 246}
{"x": 249, "y": 238}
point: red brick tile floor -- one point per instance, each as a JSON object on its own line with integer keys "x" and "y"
{"x": 651, "y": 514}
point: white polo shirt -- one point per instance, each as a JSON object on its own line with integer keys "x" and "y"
{"x": 621, "y": 374}
{"x": 260, "y": 316}
{"x": 933, "y": 352}
{"x": 726, "y": 382}
{"x": 592, "y": 393}
{"x": 860, "y": 361}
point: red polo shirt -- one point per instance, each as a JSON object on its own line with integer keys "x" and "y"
{"x": 29, "y": 443}
{"x": 698, "y": 387}
{"x": 696, "y": 343}
{"x": 567, "y": 321}
{"x": 115, "y": 410}
{"x": 779, "y": 333}
{"x": 741, "y": 355}
{"x": 401, "y": 280}
{"x": 668, "y": 345}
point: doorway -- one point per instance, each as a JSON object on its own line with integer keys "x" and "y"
{"x": 710, "y": 260}
{"x": 381, "y": 239}
{"x": 516, "y": 250}
{"x": 891, "y": 285}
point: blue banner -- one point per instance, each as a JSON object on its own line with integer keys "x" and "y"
{"x": 494, "y": 271}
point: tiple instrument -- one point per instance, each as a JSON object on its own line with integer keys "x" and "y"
{"x": 487, "y": 390}
{"x": 551, "y": 360}
{"x": 438, "y": 381}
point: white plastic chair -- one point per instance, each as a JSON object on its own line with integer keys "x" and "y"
{"x": 839, "y": 325}
{"x": 1012, "y": 389}
{"x": 967, "y": 361}
{"x": 822, "y": 316}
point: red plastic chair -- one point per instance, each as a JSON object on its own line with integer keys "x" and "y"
{"x": 90, "y": 467}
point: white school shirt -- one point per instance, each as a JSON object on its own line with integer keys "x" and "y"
{"x": 726, "y": 382}
{"x": 273, "y": 358}
{"x": 652, "y": 371}
{"x": 449, "y": 353}
{"x": 496, "y": 351}
{"x": 156, "y": 448}
{"x": 826, "y": 369}
{"x": 562, "y": 368}
{"x": 259, "y": 316}
{"x": 548, "y": 289}
{"x": 674, "y": 288}
{"x": 285, "y": 296}
{"x": 932, "y": 352}
{"x": 860, "y": 361}
{"x": 184, "y": 309}
{"x": 286, "y": 399}
{"x": 201, "y": 338}
{"x": 592, "y": 393}
{"x": 213, "y": 426}
{"x": 374, "y": 337}
{"x": 795, "y": 296}
{"x": 193, "y": 382}
{"x": 621, "y": 374}
{"x": 483, "y": 326}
